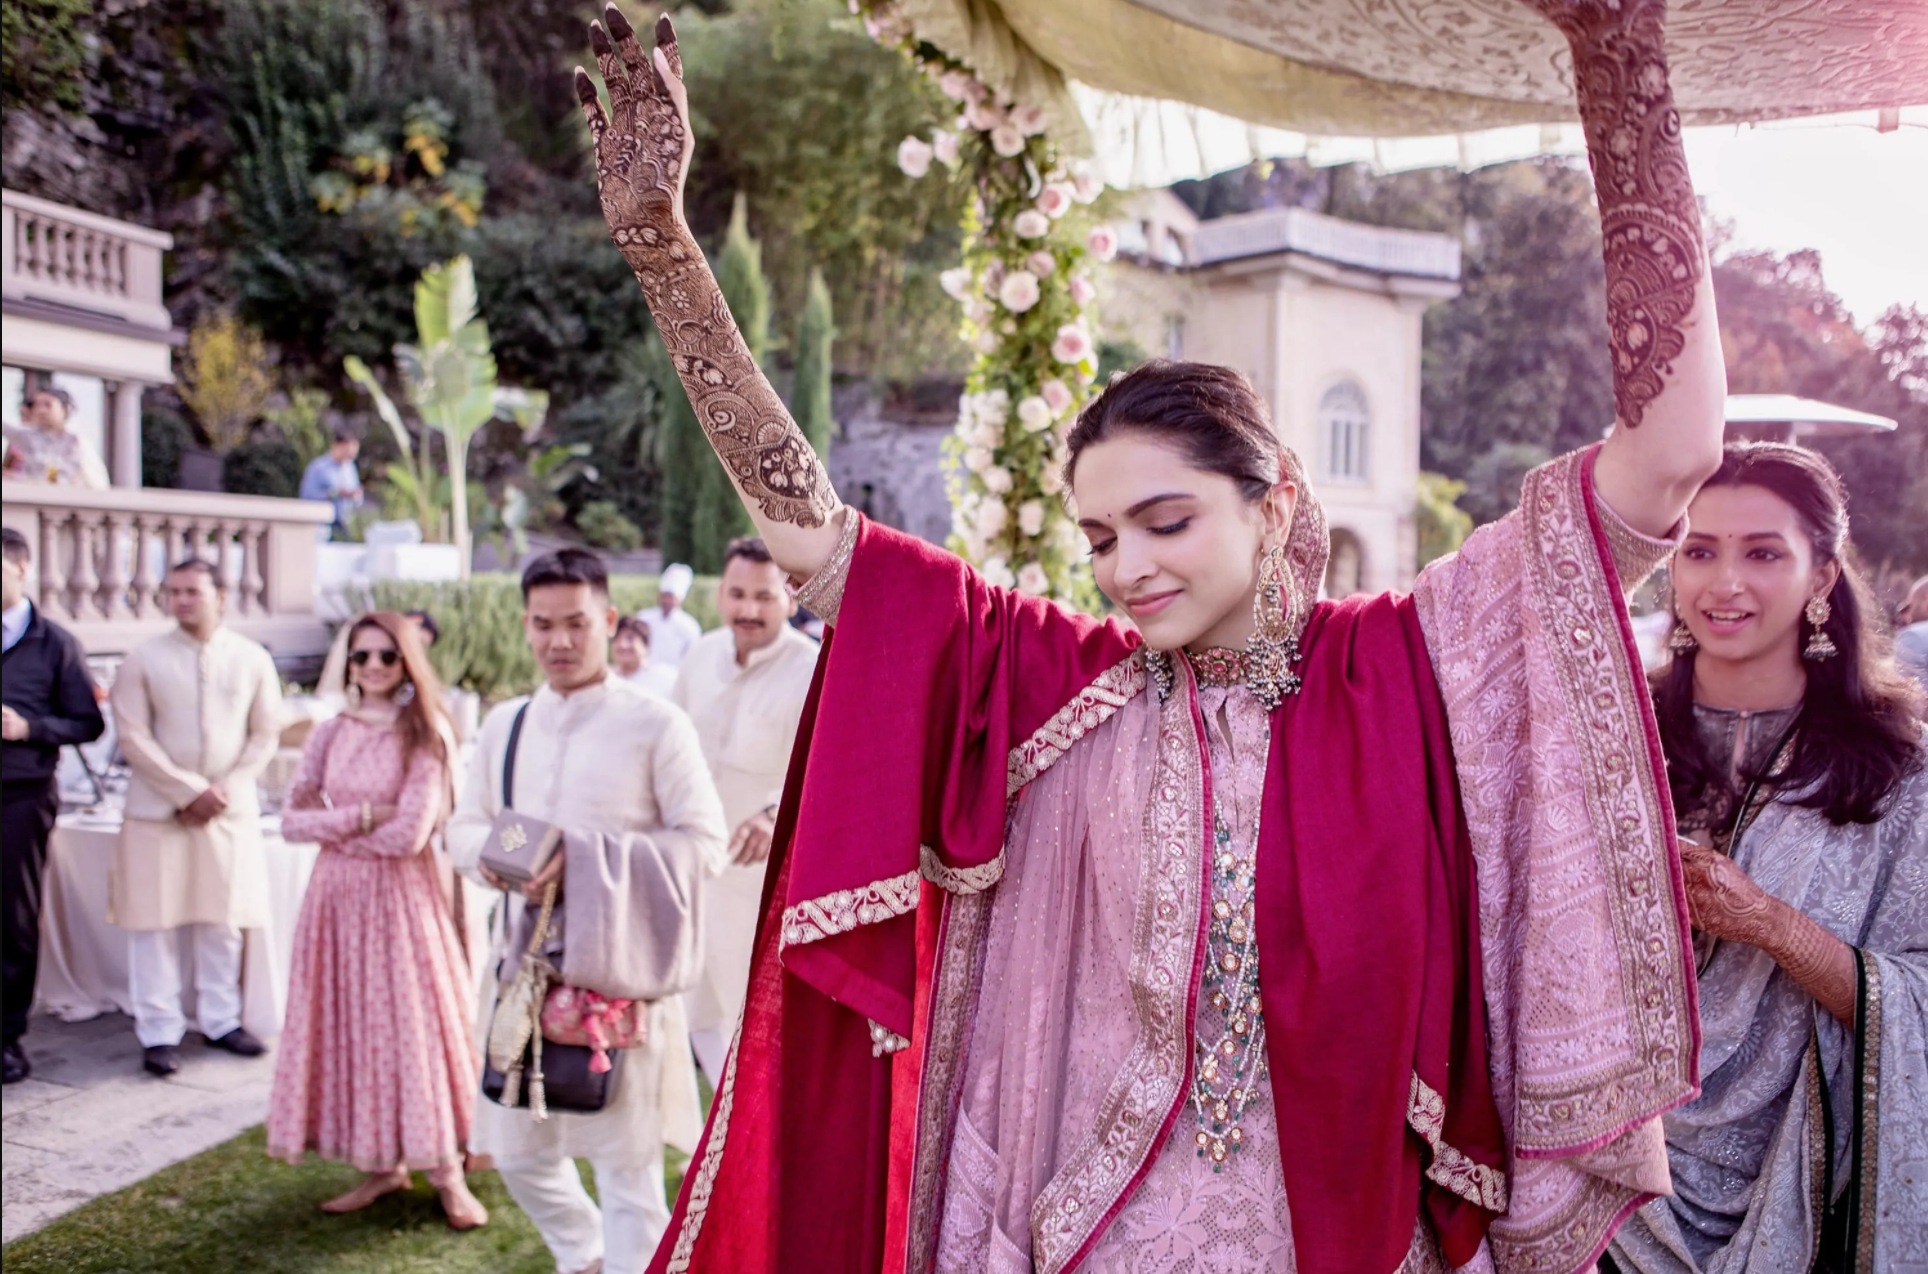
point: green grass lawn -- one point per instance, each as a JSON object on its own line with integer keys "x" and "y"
{"x": 234, "y": 1209}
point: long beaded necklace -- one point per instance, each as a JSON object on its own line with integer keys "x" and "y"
{"x": 1229, "y": 1068}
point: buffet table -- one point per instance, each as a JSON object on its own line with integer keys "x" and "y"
{"x": 83, "y": 958}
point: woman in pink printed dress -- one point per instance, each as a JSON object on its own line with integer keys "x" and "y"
{"x": 376, "y": 1065}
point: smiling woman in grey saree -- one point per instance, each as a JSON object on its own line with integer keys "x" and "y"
{"x": 1795, "y": 755}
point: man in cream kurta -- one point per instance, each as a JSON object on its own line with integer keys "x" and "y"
{"x": 198, "y": 712}
{"x": 744, "y": 686}
{"x": 597, "y": 757}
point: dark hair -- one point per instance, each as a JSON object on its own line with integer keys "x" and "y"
{"x": 566, "y": 566}
{"x": 15, "y": 547}
{"x": 417, "y": 719}
{"x": 631, "y": 624}
{"x": 1858, "y": 736}
{"x": 61, "y": 396}
{"x": 750, "y": 548}
{"x": 431, "y": 631}
{"x": 1210, "y": 412}
{"x": 205, "y": 567}
{"x": 345, "y": 433}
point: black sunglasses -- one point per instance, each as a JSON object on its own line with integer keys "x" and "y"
{"x": 389, "y": 657}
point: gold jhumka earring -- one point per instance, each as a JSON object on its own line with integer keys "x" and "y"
{"x": 353, "y": 695}
{"x": 1681, "y": 640}
{"x": 1820, "y": 646}
{"x": 1273, "y": 648}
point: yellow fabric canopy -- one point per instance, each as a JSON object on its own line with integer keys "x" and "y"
{"x": 1413, "y": 68}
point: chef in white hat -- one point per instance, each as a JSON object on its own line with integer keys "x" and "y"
{"x": 672, "y": 630}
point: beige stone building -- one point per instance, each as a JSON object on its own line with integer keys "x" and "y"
{"x": 1323, "y": 316}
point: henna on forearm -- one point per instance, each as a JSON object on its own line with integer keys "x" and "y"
{"x": 1819, "y": 962}
{"x": 643, "y": 148}
{"x": 1649, "y": 219}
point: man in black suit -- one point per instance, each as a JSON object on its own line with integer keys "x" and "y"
{"x": 49, "y": 703}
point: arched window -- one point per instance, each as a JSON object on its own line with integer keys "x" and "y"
{"x": 1345, "y": 426}
{"x": 1346, "y": 567}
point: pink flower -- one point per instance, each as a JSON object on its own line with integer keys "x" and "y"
{"x": 914, "y": 156}
{"x": 1031, "y": 224}
{"x": 1031, "y": 120}
{"x": 1034, "y": 414}
{"x": 1082, "y": 291}
{"x": 956, "y": 85}
{"x": 1019, "y": 291}
{"x": 1054, "y": 200}
{"x": 1103, "y": 242}
{"x": 984, "y": 115}
{"x": 944, "y": 145}
{"x": 1007, "y": 141}
{"x": 956, "y": 283}
{"x": 1042, "y": 263}
{"x": 1033, "y": 580}
{"x": 1056, "y": 395}
{"x": 1073, "y": 344}
{"x": 1085, "y": 184}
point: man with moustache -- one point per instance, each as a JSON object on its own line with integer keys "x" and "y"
{"x": 618, "y": 770}
{"x": 198, "y": 715}
{"x": 744, "y": 686}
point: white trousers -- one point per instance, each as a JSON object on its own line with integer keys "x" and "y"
{"x": 154, "y": 982}
{"x": 624, "y": 1231}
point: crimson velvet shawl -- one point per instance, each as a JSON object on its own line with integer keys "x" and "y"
{"x": 931, "y": 687}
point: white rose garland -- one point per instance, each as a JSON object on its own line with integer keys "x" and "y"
{"x": 1023, "y": 297}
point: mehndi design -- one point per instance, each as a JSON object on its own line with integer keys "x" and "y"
{"x": 643, "y": 147}
{"x": 1649, "y": 219}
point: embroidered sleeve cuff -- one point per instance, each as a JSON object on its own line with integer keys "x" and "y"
{"x": 1635, "y": 555}
{"x": 822, "y": 593}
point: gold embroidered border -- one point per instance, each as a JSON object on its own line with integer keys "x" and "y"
{"x": 1869, "y": 1029}
{"x": 1089, "y": 708}
{"x": 815, "y": 919}
{"x": 704, "y": 1180}
{"x": 1603, "y": 690}
{"x": 1636, "y": 555}
{"x": 959, "y": 880}
{"x": 1472, "y": 1181}
{"x": 954, "y": 989}
{"x": 1067, "y": 1213}
{"x": 822, "y": 594}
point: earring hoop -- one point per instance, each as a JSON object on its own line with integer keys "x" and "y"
{"x": 405, "y": 695}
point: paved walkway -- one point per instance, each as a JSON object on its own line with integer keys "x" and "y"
{"x": 90, "y": 1121}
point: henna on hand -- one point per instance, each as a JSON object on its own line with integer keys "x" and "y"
{"x": 1725, "y": 902}
{"x": 643, "y": 146}
{"x": 1649, "y": 219}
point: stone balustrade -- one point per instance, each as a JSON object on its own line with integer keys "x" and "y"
{"x": 101, "y": 560}
{"x": 68, "y": 257}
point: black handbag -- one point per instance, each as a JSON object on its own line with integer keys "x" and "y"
{"x": 547, "y": 1076}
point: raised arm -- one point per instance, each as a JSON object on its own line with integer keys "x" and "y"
{"x": 1670, "y": 384}
{"x": 643, "y": 145}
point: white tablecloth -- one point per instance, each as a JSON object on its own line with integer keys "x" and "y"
{"x": 83, "y": 958}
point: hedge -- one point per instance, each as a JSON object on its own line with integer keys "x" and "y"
{"x": 482, "y": 647}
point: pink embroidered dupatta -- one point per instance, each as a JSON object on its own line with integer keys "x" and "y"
{"x": 909, "y": 735}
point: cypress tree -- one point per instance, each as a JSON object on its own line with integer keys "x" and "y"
{"x": 720, "y": 515}
{"x": 810, "y": 396}
{"x": 686, "y": 455}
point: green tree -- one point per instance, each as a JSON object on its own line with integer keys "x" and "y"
{"x": 720, "y": 515}
{"x": 685, "y": 453}
{"x": 1441, "y": 524}
{"x": 45, "y": 45}
{"x": 810, "y": 395}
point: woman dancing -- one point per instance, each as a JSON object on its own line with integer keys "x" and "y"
{"x": 1795, "y": 752}
{"x": 377, "y": 1065}
{"x": 1159, "y": 946}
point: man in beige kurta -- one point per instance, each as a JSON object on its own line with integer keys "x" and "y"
{"x": 198, "y": 711}
{"x": 744, "y": 686}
